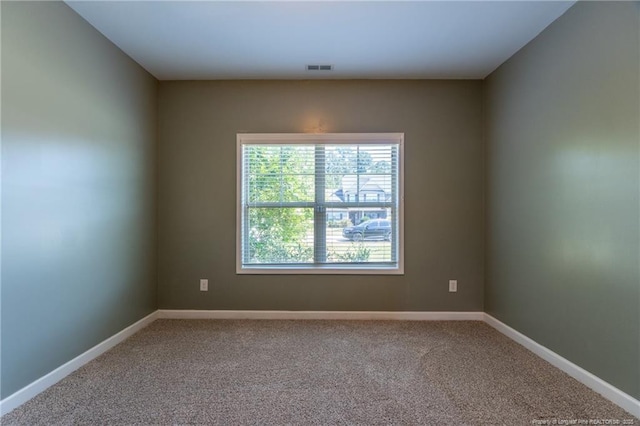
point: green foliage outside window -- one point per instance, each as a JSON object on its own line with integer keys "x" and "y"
{"x": 278, "y": 235}
{"x": 358, "y": 252}
{"x": 280, "y": 174}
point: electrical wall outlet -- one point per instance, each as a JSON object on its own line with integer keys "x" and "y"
{"x": 453, "y": 286}
{"x": 204, "y": 285}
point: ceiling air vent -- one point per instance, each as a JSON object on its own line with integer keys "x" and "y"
{"x": 319, "y": 67}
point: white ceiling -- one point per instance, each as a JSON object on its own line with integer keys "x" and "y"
{"x": 176, "y": 40}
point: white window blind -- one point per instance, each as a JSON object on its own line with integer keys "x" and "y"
{"x": 319, "y": 203}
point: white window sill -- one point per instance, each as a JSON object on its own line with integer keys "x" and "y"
{"x": 320, "y": 270}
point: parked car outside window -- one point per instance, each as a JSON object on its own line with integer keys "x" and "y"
{"x": 370, "y": 229}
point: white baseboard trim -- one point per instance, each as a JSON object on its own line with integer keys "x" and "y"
{"x": 592, "y": 381}
{"x": 26, "y": 393}
{"x": 322, "y": 315}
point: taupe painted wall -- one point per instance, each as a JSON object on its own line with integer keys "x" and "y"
{"x": 562, "y": 122}
{"x": 78, "y": 190}
{"x": 442, "y": 122}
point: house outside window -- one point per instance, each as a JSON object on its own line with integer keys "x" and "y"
{"x": 320, "y": 203}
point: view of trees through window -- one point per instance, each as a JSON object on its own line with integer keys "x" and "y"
{"x": 319, "y": 203}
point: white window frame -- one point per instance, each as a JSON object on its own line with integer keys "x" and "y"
{"x": 332, "y": 138}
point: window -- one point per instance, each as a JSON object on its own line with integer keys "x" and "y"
{"x": 320, "y": 203}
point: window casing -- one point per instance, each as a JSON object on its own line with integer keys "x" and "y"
{"x": 320, "y": 203}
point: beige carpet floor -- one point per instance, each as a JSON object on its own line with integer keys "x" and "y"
{"x": 317, "y": 372}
